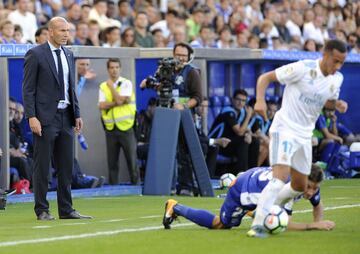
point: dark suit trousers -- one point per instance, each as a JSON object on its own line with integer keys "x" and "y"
{"x": 57, "y": 143}
{"x": 115, "y": 140}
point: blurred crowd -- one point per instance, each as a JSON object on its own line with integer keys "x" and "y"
{"x": 267, "y": 24}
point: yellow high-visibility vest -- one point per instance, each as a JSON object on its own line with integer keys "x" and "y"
{"x": 122, "y": 116}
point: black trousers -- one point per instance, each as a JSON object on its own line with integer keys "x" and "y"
{"x": 246, "y": 154}
{"x": 57, "y": 142}
{"x": 126, "y": 140}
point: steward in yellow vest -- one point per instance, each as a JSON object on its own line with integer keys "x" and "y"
{"x": 123, "y": 116}
{"x": 118, "y": 108}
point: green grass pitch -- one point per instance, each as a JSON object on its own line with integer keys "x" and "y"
{"x": 133, "y": 225}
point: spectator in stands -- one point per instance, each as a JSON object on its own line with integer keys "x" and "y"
{"x": 27, "y": 20}
{"x": 265, "y": 32}
{"x": 124, "y": 14}
{"x": 356, "y": 49}
{"x": 159, "y": 39}
{"x": 48, "y": 8}
{"x": 352, "y": 40}
{"x": 204, "y": 40}
{"x": 341, "y": 35}
{"x": 153, "y": 15}
{"x": 194, "y": 23}
{"x": 335, "y": 15}
{"x": 310, "y": 45}
{"x": 242, "y": 40}
{"x": 82, "y": 34}
{"x": 142, "y": 37}
{"x": 284, "y": 33}
{"x": 349, "y": 18}
{"x": 224, "y": 9}
{"x": 278, "y": 44}
{"x": 128, "y": 38}
{"x": 253, "y": 42}
{"x": 98, "y": 13}
{"x": 233, "y": 123}
{"x": 18, "y": 34}
{"x": 218, "y": 23}
{"x": 111, "y": 11}
{"x": 94, "y": 33}
{"x": 85, "y": 12}
{"x": 225, "y": 40}
{"x": 7, "y": 31}
{"x": 72, "y": 34}
{"x": 314, "y": 30}
{"x": 166, "y": 24}
{"x": 112, "y": 37}
{"x": 294, "y": 24}
{"x": 41, "y": 35}
{"x": 118, "y": 107}
{"x": 73, "y": 13}
{"x": 178, "y": 36}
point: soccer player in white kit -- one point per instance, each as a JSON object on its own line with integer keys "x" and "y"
{"x": 310, "y": 84}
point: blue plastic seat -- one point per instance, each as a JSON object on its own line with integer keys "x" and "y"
{"x": 226, "y": 101}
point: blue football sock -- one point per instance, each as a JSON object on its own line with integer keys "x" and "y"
{"x": 201, "y": 217}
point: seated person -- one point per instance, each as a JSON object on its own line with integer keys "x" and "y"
{"x": 326, "y": 134}
{"x": 18, "y": 157}
{"x": 262, "y": 131}
{"x": 232, "y": 123}
{"x": 209, "y": 146}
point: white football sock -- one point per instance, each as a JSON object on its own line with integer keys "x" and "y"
{"x": 286, "y": 194}
{"x": 267, "y": 199}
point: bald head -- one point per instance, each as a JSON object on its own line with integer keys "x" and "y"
{"x": 58, "y": 31}
{"x": 55, "y": 21}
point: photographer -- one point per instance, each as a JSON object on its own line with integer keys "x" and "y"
{"x": 183, "y": 90}
{"x": 185, "y": 79}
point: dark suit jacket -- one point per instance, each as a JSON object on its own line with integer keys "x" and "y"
{"x": 41, "y": 86}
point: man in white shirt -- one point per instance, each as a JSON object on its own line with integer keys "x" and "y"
{"x": 310, "y": 85}
{"x": 22, "y": 17}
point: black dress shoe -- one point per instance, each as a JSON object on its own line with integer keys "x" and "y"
{"x": 75, "y": 215}
{"x": 45, "y": 216}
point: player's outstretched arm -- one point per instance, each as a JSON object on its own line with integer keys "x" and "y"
{"x": 316, "y": 225}
{"x": 262, "y": 83}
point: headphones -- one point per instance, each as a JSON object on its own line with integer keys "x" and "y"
{"x": 190, "y": 50}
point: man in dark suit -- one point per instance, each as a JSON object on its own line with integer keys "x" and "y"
{"x": 52, "y": 109}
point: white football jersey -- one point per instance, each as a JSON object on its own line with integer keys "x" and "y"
{"x": 305, "y": 94}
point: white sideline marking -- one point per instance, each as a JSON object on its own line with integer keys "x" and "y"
{"x": 114, "y": 220}
{"x": 128, "y": 230}
{"x": 150, "y": 217}
{"x": 75, "y": 223}
{"x": 42, "y": 227}
{"x": 96, "y": 234}
{"x": 344, "y": 187}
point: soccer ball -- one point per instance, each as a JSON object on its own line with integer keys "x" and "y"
{"x": 277, "y": 220}
{"x": 226, "y": 179}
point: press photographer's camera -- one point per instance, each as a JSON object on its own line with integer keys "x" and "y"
{"x": 162, "y": 81}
